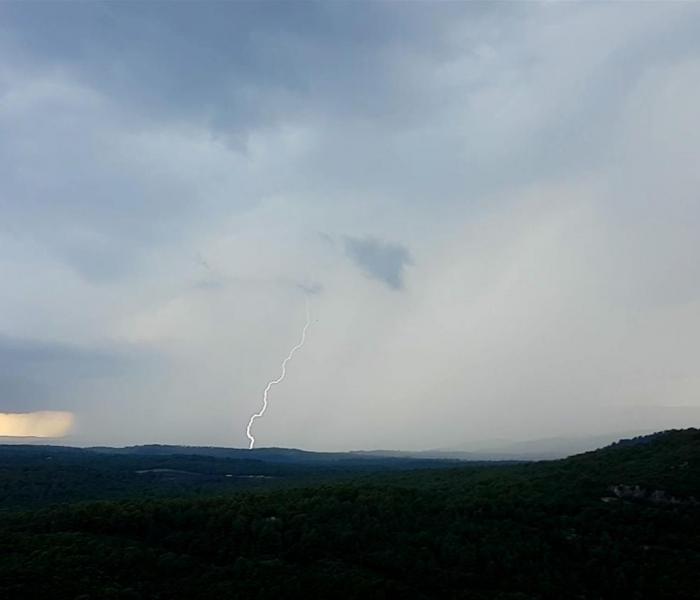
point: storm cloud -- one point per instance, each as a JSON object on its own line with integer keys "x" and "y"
{"x": 507, "y": 194}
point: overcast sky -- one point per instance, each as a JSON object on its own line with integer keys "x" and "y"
{"x": 493, "y": 209}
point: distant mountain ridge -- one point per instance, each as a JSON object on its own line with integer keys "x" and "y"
{"x": 277, "y": 455}
{"x": 540, "y": 449}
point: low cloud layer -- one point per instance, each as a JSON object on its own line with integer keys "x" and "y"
{"x": 493, "y": 209}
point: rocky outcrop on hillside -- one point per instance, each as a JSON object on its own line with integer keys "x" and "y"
{"x": 639, "y": 493}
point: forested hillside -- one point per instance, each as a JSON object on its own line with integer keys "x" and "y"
{"x": 33, "y": 476}
{"x": 621, "y": 522}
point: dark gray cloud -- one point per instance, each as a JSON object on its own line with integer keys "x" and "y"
{"x": 383, "y": 261}
{"x": 232, "y": 66}
{"x": 28, "y": 355}
{"x": 37, "y": 374}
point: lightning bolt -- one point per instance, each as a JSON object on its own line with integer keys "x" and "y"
{"x": 257, "y": 415}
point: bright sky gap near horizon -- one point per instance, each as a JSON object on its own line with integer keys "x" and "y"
{"x": 494, "y": 206}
